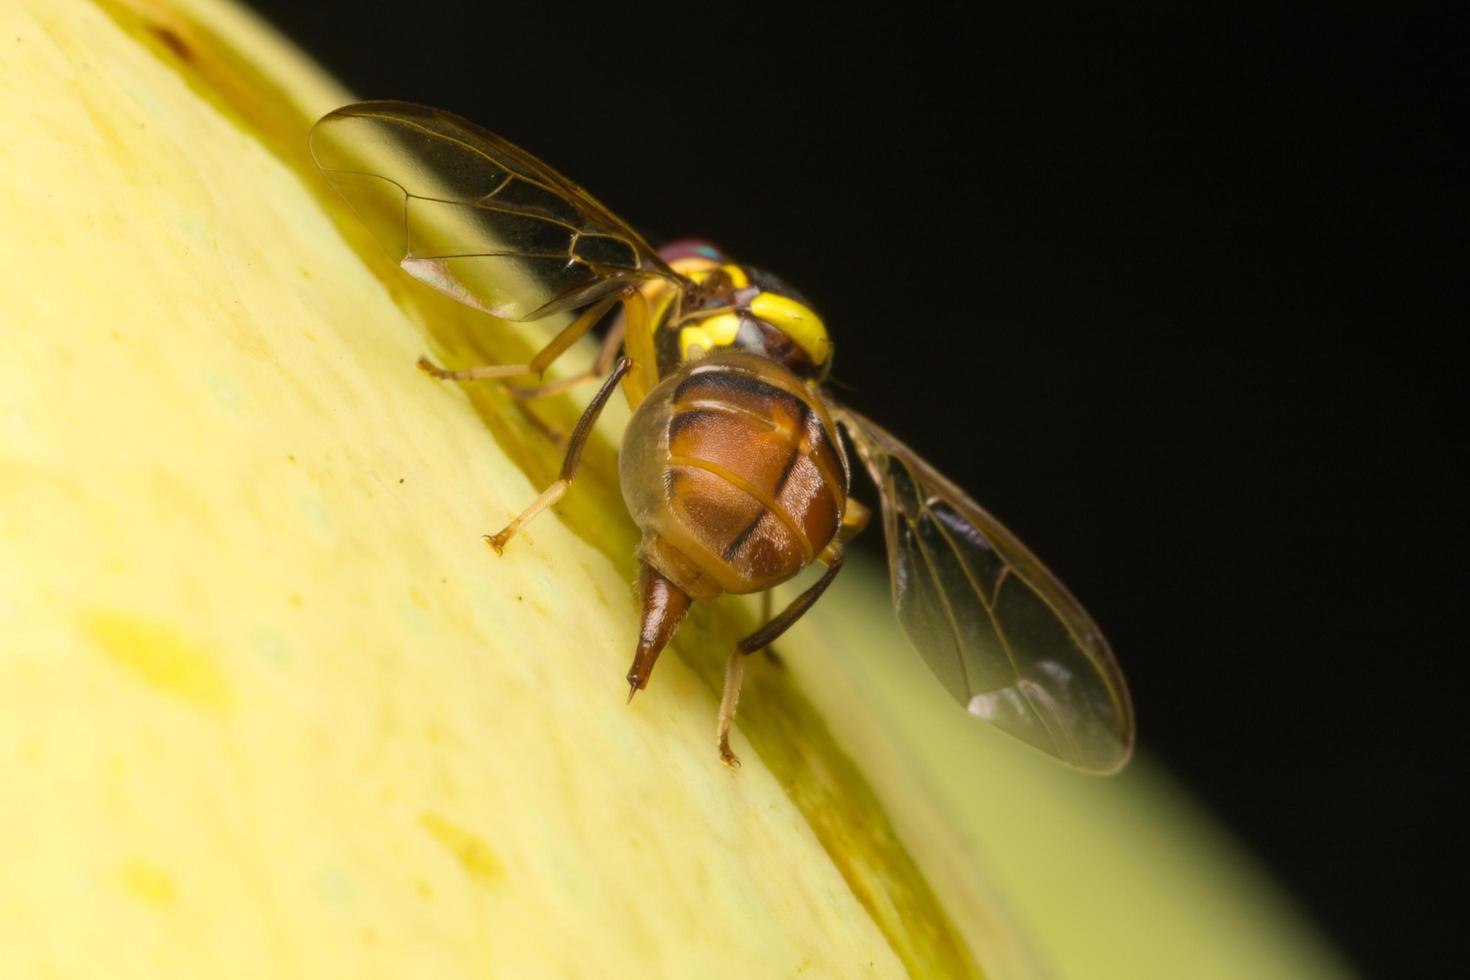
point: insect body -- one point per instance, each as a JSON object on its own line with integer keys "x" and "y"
{"x": 731, "y": 468}
{"x": 731, "y": 465}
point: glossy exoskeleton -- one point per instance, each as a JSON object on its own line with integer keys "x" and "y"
{"x": 732, "y": 464}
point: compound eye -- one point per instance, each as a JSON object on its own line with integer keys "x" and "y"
{"x": 692, "y": 248}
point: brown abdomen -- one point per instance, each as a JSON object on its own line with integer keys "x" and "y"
{"x": 732, "y": 469}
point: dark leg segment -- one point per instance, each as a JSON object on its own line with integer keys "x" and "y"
{"x": 554, "y": 492}
{"x": 772, "y": 631}
{"x": 766, "y": 635}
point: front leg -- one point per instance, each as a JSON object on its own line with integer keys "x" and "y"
{"x": 606, "y": 357}
{"x": 544, "y": 358}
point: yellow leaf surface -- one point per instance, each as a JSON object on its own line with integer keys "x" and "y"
{"x": 268, "y": 707}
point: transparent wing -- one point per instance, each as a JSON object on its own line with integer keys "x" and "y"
{"x": 475, "y": 216}
{"x": 1000, "y": 632}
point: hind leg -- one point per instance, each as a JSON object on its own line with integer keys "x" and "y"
{"x": 761, "y": 638}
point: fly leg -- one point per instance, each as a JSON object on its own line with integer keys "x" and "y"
{"x": 766, "y": 635}
{"x": 569, "y": 335}
{"x": 766, "y": 600}
{"x": 557, "y": 489}
{"x": 611, "y": 344}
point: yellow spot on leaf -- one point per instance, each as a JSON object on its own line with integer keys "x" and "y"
{"x": 147, "y": 882}
{"x": 473, "y": 854}
{"x": 159, "y": 656}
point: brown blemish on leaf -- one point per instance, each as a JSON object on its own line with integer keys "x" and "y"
{"x": 173, "y": 42}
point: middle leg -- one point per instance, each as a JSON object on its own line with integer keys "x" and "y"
{"x": 558, "y": 488}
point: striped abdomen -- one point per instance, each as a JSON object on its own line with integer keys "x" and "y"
{"x": 732, "y": 468}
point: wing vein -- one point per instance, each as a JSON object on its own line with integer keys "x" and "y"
{"x": 944, "y": 599}
{"x": 995, "y": 623}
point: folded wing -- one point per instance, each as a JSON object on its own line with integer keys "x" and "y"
{"x": 1001, "y": 633}
{"x": 475, "y": 216}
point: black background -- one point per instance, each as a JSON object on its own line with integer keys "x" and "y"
{"x": 1167, "y": 294}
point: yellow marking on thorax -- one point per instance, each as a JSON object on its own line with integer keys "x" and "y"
{"x": 699, "y": 339}
{"x": 804, "y": 327}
